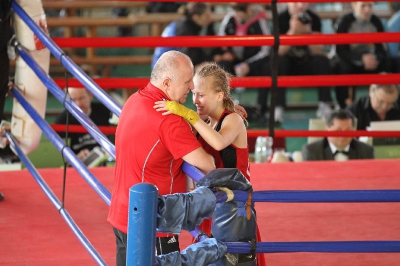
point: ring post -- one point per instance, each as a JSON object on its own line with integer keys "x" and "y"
{"x": 142, "y": 218}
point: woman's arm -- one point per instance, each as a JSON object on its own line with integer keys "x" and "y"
{"x": 229, "y": 131}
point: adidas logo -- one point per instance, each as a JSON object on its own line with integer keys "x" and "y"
{"x": 172, "y": 240}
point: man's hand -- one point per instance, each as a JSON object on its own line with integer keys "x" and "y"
{"x": 296, "y": 27}
{"x": 242, "y": 69}
{"x": 82, "y": 154}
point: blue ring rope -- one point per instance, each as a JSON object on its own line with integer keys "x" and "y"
{"x": 78, "y": 73}
{"x": 59, "y": 144}
{"x": 320, "y": 196}
{"x": 307, "y": 196}
{"x": 49, "y": 193}
{"x": 331, "y": 246}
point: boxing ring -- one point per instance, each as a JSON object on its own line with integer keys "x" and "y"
{"x": 44, "y": 239}
{"x": 370, "y": 184}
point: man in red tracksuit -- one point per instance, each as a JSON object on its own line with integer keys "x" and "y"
{"x": 151, "y": 147}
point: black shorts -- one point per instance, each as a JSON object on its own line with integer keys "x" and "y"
{"x": 165, "y": 245}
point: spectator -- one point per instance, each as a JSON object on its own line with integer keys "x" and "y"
{"x": 393, "y": 25}
{"x": 246, "y": 19}
{"x": 380, "y": 105}
{"x": 82, "y": 143}
{"x": 151, "y": 147}
{"x": 196, "y": 17}
{"x": 302, "y": 60}
{"x": 338, "y": 148}
{"x": 359, "y": 58}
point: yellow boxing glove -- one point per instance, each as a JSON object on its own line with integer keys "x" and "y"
{"x": 178, "y": 109}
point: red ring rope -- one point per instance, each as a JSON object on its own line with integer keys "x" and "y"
{"x": 215, "y": 41}
{"x": 255, "y": 82}
{"x": 256, "y": 133}
{"x": 253, "y": 1}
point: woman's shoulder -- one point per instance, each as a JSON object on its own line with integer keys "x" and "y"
{"x": 233, "y": 118}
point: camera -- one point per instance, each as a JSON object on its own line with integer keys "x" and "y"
{"x": 304, "y": 18}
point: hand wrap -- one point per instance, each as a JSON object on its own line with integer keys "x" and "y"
{"x": 178, "y": 109}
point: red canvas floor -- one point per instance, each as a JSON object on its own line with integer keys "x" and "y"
{"x": 33, "y": 233}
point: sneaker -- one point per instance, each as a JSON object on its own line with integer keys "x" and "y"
{"x": 324, "y": 109}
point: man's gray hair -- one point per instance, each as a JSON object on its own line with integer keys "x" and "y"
{"x": 166, "y": 66}
{"x": 387, "y": 88}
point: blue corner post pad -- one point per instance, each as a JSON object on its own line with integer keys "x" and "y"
{"x": 142, "y": 224}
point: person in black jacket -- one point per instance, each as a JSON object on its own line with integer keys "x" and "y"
{"x": 302, "y": 60}
{"x": 82, "y": 143}
{"x": 363, "y": 57}
{"x": 379, "y": 105}
{"x": 245, "y": 20}
{"x": 338, "y": 148}
{"x": 197, "y": 16}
